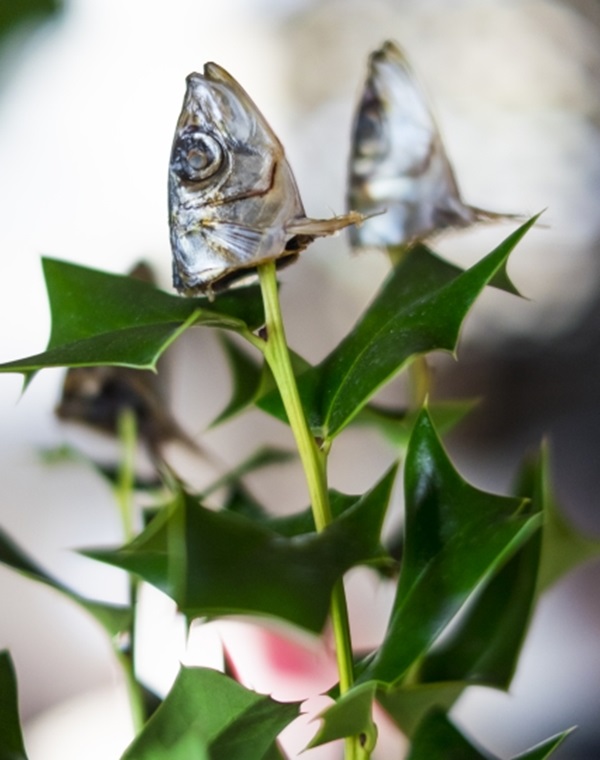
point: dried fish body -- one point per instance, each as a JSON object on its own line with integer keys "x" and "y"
{"x": 233, "y": 200}
{"x": 399, "y": 173}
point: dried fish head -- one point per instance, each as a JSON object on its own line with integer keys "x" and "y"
{"x": 398, "y": 163}
{"x": 233, "y": 200}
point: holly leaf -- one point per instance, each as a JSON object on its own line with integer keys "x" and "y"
{"x": 485, "y": 644}
{"x": 420, "y": 308}
{"x": 108, "y": 319}
{"x": 443, "y": 515}
{"x": 456, "y": 537}
{"x": 349, "y": 716}
{"x": 223, "y": 563}
{"x": 208, "y": 715}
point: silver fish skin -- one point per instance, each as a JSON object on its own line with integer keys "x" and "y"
{"x": 399, "y": 173}
{"x": 233, "y": 200}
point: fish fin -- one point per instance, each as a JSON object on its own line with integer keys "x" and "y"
{"x": 322, "y": 227}
{"x": 238, "y": 243}
{"x": 483, "y": 215}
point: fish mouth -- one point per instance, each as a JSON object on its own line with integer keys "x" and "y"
{"x": 215, "y": 97}
{"x": 389, "y": 52}
{"x": 217, "y": 74}
{"x": 198, "y": 86}
{"x": 385, "y": 64}
{"x": 198, "y": 96}
{"x": 212, "y": 73}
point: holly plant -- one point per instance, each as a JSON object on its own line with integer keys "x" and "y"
{"x": 471, "y": 564}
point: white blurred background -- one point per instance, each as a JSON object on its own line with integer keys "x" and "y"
{"x": 88, "y": 104}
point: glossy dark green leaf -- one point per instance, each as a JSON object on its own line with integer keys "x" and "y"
{"x": 113, "y": 618}
{"x": 500, "y": 280}
{"x": 437, "y": 738}
{"x": 351, "y": 715}
{"x": 223, "y": 563}
{"x": 420, "y": 308}
{"x": 485, "y": 645}
{"x": 107, "y": 319}
{"x": 486, "y": 640}
{"x": 456, "y": 537}
{"x": 11, "y": 737}
{"x": 208, "y": 715}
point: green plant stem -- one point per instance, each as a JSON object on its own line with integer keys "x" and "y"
{"x": 314, "y": 461}
{"x": 278, "y": 358}
{"x": 419, "y": 379}
{"x": 419, "y": 376}
{"x": 127, "y": 431}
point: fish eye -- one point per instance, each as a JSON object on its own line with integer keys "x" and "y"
{"x": 197, "y": 156}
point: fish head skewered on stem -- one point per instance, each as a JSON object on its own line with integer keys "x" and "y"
{"x": 399, "y": 172}
{"x": 233, "y": 200}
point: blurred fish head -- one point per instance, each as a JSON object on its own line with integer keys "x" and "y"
{"x": 231, "y": 190}
{"x": 95, "y": 396}
{"x": 398, "y": 164}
